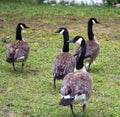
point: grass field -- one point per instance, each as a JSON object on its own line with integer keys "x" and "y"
{"x": 31, "y": 93}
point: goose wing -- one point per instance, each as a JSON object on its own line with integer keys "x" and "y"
{"x": 92, "y": 49}
{"x": 17, "y": 49}
{"x": 77, "y": 83}
{"x": 77, "y": 53}
{"x": 63, "y": 64}
{"x": 22, "y": 50}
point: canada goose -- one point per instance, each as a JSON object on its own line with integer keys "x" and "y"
{"x": 64, "y": 62}
{"x": 77, "y": 85}
{"x": 92, "y": 46}
{"x": 18, "y": 50}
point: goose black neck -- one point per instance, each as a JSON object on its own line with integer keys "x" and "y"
{"x": 80, "y": 62}
{"x": 90, "y": 31}
{"x": 18, "y": 34}
{"x": 66, "y": 44}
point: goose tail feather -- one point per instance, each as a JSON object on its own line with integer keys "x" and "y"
{"x": 10, "y": 60}
{"x": 66, "y": 102}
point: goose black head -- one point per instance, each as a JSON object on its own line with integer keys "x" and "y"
{"x": 80, "y": 40}
{"x": 62, "y": 30}
{"x": 65, "y": 34}
{"x": 21, "y": 26}
{"x": 77, "y": 39}
{"x": 94, "y": 21}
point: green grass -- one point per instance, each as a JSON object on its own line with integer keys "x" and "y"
{"x": 31, "y": 93}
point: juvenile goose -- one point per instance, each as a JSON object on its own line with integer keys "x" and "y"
{"x": 92, "y": 46}
{"x": 77, "y": 85}
{"x": 64, "y": 62}
{"x": 18, "y": 50}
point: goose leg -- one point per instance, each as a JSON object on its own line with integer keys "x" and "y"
{"x": 13, "y": 67}
{"x": 22, "y": 66}
{"x": 54, "y": 82}
{"x": 88, "y": 69}
{"x": 84, "y": 106}
{"x": 71, "y": 107}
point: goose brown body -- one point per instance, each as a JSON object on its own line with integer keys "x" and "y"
{"x": 18, "y": 50}
{"x": 92, "y": 46}
{"x": 77, "y": 85}
{"x": 92, "y": 49}
{"x": 64, "y": 63}
{"x": 78, "y": 82}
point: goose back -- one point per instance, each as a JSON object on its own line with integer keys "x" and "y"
{"x": 76, "y": 83}
{"x": 63, "y": 64}
{"x": 92, "y": 49}
{"x": 17, "y": 51}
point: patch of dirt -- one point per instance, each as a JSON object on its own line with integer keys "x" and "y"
{"x": 108, "y": 29}
{"x": 7, "y": 113}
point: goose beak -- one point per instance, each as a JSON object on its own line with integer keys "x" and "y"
{"x": 57, "y": 31}
{"x": 98, "y": 22}
{"x": 70, "y": 41}
{"x": 26, "y": 27}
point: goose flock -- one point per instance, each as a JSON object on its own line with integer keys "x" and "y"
{"x": 77, "y": 83}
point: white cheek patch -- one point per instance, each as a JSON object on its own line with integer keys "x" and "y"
{"x": 21, "y": 26}
{"x": 93, "y": 21}
{"x": 79, "y": 41}
{"x": 62, "y": 31}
